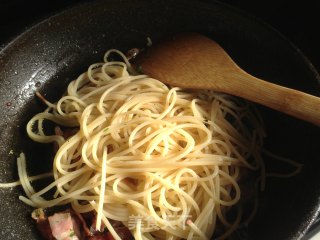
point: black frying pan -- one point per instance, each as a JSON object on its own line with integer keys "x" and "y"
{"x": 52, "y": 53}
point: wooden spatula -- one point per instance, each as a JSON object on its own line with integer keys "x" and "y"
{"x": 192, "y": 60}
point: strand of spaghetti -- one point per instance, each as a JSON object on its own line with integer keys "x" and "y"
{"x": 65, "y": 199}
{"x": 204, "y": 221}
{"x": 102, "y": 189}
{"x": 62, "y": 152}
{"x": 61, "y": 180}
{"x": 176, "y": 189}
{"x": 284, "y": 175}
{"x": 137, "y": 231}
{"x": 196, "y": 230}
{"x": 73, "y": 99}
{"x": 84, "y": 119}
{"x": 283, "y": 159}
{"x": 109, "y": 52}
{"x": 30, "y": 179}
{"x": 135, "y": 195}
{"x": 232, "y": 227}
{"x": 22, "y": 173}
{"x": 74, "y": 182}
{"x": 192, "y": 158}
{"x": 28, "y": 201}
{"x": 106, "y": 222}
{"x": 190, "y": 141}
{"x": 148, "y": 167}
{"x": 170, "y": 102}
{"x": 163, "y": 202}
{"x": 45, "y": 101}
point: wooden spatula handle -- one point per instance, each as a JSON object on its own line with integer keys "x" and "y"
{"x": 295, "y": 103}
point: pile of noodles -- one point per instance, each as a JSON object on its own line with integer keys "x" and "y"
{"x": 166, "y": 162}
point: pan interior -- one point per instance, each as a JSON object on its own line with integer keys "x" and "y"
{"x": 54, "y": 52}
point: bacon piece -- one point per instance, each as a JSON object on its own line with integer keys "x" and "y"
{"x": 65, "y": 226}
{"x": 69, "y": 225}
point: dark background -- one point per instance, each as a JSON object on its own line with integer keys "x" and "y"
{"x": 298, "y": 20}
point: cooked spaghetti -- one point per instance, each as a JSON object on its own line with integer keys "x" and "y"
{"x": 164, "y": 161}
